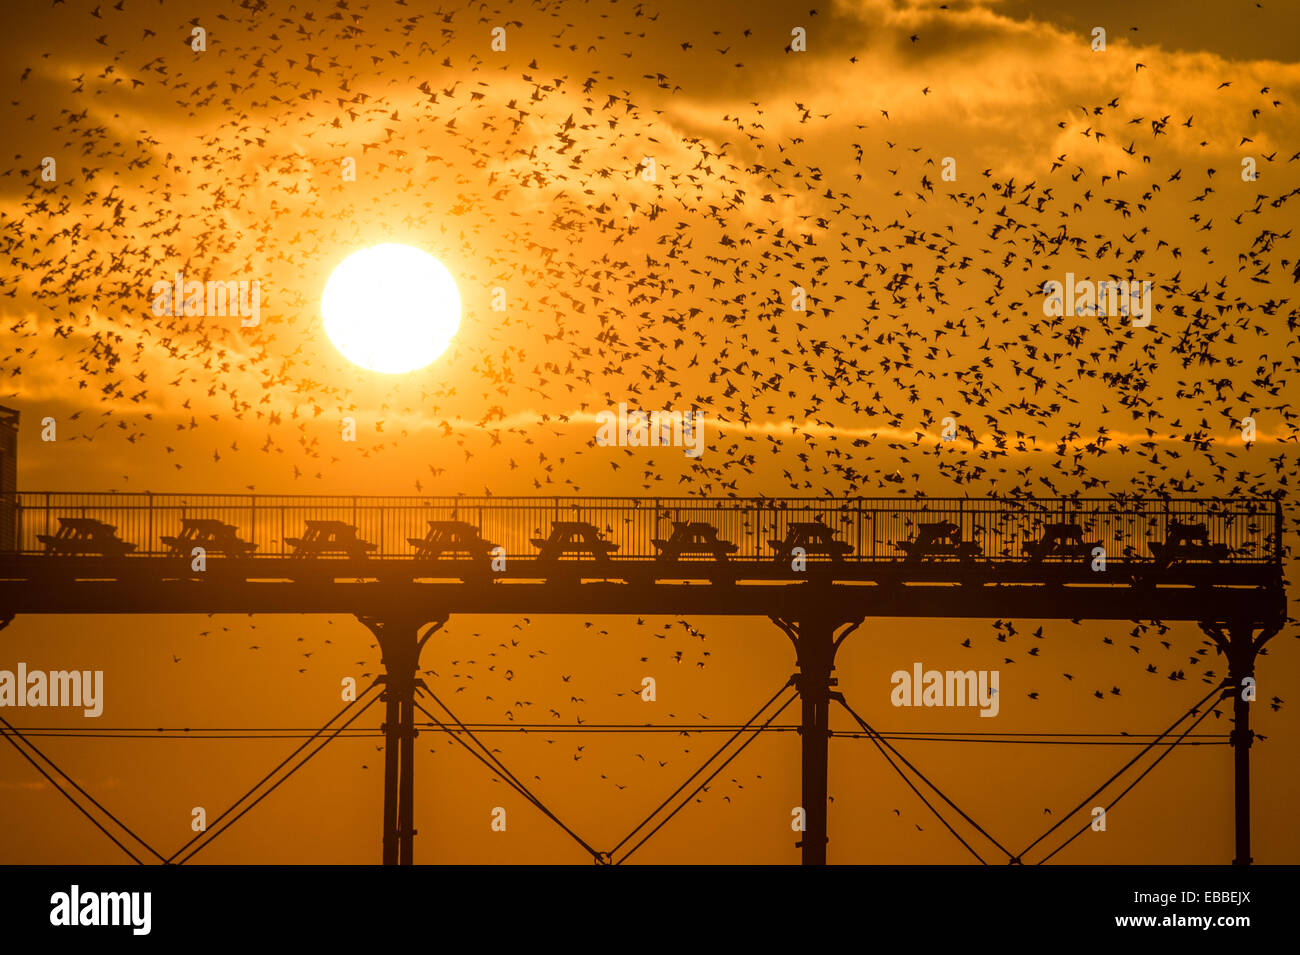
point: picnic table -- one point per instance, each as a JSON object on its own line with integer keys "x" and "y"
{"x": 85, "y": 535}
{"x": 1060, "y": 540}
{"x": 451, "y": 537}
{"x": 1187, "y": 542}
{"x": 938, "y": 539}
{"x": 573, "y": 537}
{"x": 693, "y": 537}
{"x": 209, "y": 534}
{"x": 814, "y": 537}
{"x": 329, "y": 537}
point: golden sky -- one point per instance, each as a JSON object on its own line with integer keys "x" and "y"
{"x": 522, "y": 170}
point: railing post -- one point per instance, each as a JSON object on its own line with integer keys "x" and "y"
{"x": 857, "y": 544}
{"x": 1277, "y": 531}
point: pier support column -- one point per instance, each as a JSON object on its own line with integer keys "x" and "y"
{"x": 815, "y": 645}
{"x": 400, "y": 642}
{"x": 1240, "y": 645}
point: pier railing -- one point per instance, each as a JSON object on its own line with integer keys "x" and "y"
{"x": 1250, "y": 529}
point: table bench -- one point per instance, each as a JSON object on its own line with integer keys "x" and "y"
{"x": 85, "y": 535}
{"x": 1060, "y": 540}
{"x": 938, "y": 539}
{"x": 211, "y": 535}
{"x": 573, "y": 537}
{"x": 814, "y": 537}
{"x": 329, "y": 537}
{"x": 1187, "y": 542}
{"x": 451, "y": 537}
{"x": 693, "y": 537}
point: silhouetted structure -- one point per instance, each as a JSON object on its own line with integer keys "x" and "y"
{"x": 8, "y": 479}
{"x": 404, "y": 565}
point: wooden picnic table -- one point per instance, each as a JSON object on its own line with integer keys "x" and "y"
{"x": 814, "y": 537}
{"x": 573, "y": 537}
{"x": 1187, "y": 542}
{"x": 85, "y": 535}
{"x": 209, "y": 534}
{"x": 329, "y": 537}
{"x": 451, "y": 537}
{"x": 693, "y": 537}
{"x": 1060, "y": 540}
{"x": 938, "y": 539}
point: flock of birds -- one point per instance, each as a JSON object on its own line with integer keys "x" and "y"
{"x": 526, "y": 169}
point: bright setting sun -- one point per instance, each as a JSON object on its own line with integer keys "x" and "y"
{"x": 391, "y": 308}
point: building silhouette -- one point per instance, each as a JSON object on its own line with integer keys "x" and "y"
{"x": 8, "y": 479}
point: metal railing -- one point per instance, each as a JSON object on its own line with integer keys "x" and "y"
{"x": 1250, "y": 529}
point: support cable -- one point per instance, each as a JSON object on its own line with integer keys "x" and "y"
{"x": 685, "y": 729}
{"x": 919, "y": 795}
{"x": 1170, "y": 749}
{"x": 880, "y": 741}
{"x": 212, "y": 834}
{"x": 685, "y": 802}
{"x": 12, "y": 733}
{"x": 1119, "y": 772}
{"x": 761, "y": 710}
{"x": 495, "y": 764}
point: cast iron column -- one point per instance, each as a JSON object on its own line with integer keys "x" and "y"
{"x": 816, "y": 654}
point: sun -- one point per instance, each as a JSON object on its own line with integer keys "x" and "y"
{"x": 391, "y": 308}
